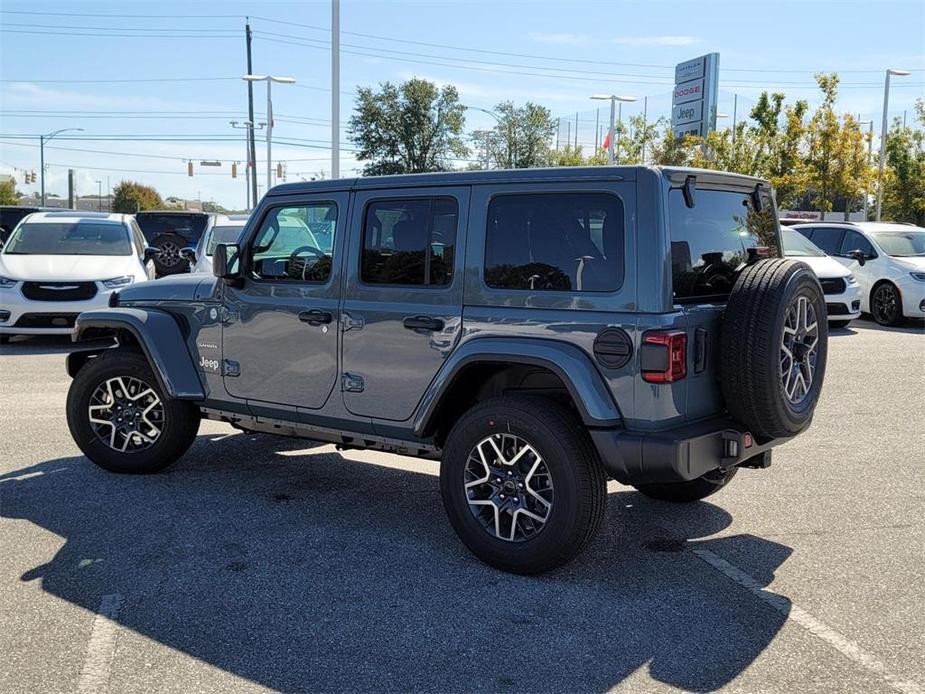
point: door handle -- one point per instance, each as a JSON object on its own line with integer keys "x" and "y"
{"x": 316, "y": 317}
{"x": 423, "y": 323}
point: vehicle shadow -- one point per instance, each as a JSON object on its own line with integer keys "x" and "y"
{"x": 301, "y": 570}
{"x": 27, "y": 345}
{"x": 909, "y": 325}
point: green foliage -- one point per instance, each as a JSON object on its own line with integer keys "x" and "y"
{"x": 904, "y": 176}
{"x": 8, "y": 194}
{"x": 130, "y": 197}
{"x": 411, "y": 128}
{"x": 521, "y": 138}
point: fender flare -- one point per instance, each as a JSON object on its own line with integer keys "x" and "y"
{"x": 160, "y": 338}
{"x": 571, "y": 364}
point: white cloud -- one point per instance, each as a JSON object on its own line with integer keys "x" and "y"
{"x": 656, "y": 40}
{"x": 565, "y": 38}
{"x": 28, "y": 94}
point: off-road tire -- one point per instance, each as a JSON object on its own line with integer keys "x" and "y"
{"x": 838, "y": 324}
{"x": 693, "y": 490}
{"x": 169, "y": 261}
{"x": 180, "y": 425}
{"x": 578, "y": 479}
{"x": 751, "y": 339}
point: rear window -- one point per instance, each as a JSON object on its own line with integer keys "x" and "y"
{"x": 571, "y": 242}
{"x": 710, "y": 241}
{"x": 70, "y": 238}
{"x": 186, "y": 225}
{"x": 223, "y": 234}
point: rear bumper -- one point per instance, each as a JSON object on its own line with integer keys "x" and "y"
{"x": 677, "y": 455}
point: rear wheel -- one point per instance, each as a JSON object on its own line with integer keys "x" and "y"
{"x": 122, "y": 420}
{"x": 886, "y": 305}
{"x": 522, "y": 484}
{"x": 693, "y": 490}
{"x": 169, "y": 260}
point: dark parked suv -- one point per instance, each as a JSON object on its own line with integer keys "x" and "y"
{"x": 170, "y": 232}
{"x": 537, "y": 331}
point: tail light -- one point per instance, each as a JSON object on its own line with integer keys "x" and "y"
{"x": 663, "y": 357}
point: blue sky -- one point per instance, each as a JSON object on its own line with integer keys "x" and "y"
{"x": 60, "y": 62}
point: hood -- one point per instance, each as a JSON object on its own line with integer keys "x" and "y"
{"x": 66, "y": 268}
{"x": 171, "y": 288}
{"x": 824, "y": 266}
{"x": 911, "y": 263}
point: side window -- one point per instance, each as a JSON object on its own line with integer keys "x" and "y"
{"x": 710, "y": 241}
{"x": 286, "y": 249}
{"x": 138, "y": 237}
{"x": 828, "y": 239}
{"x": 409, "y": 241}
{"x": 853, "y": 241}
{"x": 570, "y": 242}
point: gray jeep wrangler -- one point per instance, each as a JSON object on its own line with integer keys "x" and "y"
{"x": 537, "y": 331}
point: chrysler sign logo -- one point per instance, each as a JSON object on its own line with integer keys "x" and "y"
{"x": 59, "y": 287}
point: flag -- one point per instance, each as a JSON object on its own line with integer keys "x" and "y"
{"x": 606, "y": 143}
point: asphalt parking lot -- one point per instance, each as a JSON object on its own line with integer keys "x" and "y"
{"x": 264, "y": 563}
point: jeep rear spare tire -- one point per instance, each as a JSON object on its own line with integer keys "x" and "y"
{"x": 773, "y": 344}
{"x": 169, "y": 261}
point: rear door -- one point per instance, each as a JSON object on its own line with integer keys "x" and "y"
{"x": 709, "y": 244}
{"x": 402, "y": 309}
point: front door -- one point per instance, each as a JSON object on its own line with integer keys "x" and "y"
{"x": 280, "y": 332}
{"x": 403, "y": 296}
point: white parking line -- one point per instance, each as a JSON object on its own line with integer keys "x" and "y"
{"x": 94, "y": 675}
{"x": 814, "y": 626}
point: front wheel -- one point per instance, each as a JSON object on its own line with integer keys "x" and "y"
{"x": 693, "y": 490}
{"x": 886, "y": 305}
{"x": 522, "y": 484}
{"x": 122, "y": 420}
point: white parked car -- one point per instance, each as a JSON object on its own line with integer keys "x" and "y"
{"x": 888, "y": 260}
{"x": 841, "y": 288}
{"x": 56, "y": 265}
{"x": 224, "y": 229}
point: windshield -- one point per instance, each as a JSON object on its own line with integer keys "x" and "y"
{"x": 85, "y": 237}
{"x": 224, "y": 234}
{"x": 901, "y": 243}
{"x": 797, "y": 245}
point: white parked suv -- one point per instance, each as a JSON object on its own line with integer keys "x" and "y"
{"x": 224, "y": 229}
{"x": 841, "y": 288}
{"x": 57, "y": 264}
{"x": 888, "y": 260}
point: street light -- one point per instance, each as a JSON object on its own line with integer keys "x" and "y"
{"x": 613, "y": 99}
{"x": 99, "y": 195}
{"x": 510, "y": 156}
{"x": 870, "y": 144}
{"x": 42, "y": 140}
{"x": 883, "y": 133}
{"x": 269, "y": 79}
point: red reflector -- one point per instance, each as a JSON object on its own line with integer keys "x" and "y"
{"x": 675, "y": 342}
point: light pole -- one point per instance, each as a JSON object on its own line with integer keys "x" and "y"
{"x": 883, "y": 133}
{"x": 510, "y": 156}
{"x": 870, "y": 145}
{"x": 335, "y": 88}
{"x": 250, "y": 166}
{"x": 99, "y": 195}
{"x": 614, "y": 99}
{"x": 42, "y": 140}
{"x": 269, "y": 79}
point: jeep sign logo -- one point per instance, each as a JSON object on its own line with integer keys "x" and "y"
{"x": 693, "y": 101}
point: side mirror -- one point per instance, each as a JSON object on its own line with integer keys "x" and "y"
{"x": 225, "y": 263}
{"x": 188, "y": 254}
{"x": 151, "y": 253}
{"x": 859, "y": 256}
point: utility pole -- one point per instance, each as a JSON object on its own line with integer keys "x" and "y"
{"x": 735, "y": 107}
{"x": 252, "y": 144}
{"x": 597, "y": 125}
{"x": 335, "y": 88}
{"x": 99, "y": 195}
{"x": 645, "y": 128}
{"x": 42, "y": 140}
{"x": 884, "y": 132}
{"x": 108, "y": 195}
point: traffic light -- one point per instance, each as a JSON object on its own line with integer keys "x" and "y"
{"x": 279, "y": 169}
{"x": 189, "y": 169}
{"x": 31, "y": 177}
{"x": 234, "y": 169}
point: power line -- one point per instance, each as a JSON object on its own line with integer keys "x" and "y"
{"x": 125, "y": 80}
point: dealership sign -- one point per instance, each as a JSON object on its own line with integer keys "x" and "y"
{"x": 693, "y": 102}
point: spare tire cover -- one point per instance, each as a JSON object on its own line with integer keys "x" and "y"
{"x": 773, "y": 346}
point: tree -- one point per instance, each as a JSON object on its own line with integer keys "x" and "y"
{"x": 904, "y": 176}
{"x": 8, "y": 194}
{"x": 130, "y": 197}
{"x": 671, "y": 150}
{"x": 521, "y": 138}
{"x": 412, "y": 128}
